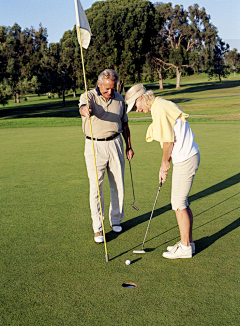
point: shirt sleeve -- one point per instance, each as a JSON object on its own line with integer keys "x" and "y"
{"x": 125, "y": 116}
{"x": 83, "y": 99}
{"x": 164, "y": 115}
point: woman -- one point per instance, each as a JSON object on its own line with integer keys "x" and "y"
{"x": 171, "y": 129}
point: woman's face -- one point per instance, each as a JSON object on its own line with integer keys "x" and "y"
{"x": 141, "y": 106}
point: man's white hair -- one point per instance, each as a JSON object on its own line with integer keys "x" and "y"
{"x": 108, "y": 74}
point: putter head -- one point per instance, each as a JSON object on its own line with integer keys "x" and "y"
{"x": 139, "y": 251}
{"x": 134, "y": 207}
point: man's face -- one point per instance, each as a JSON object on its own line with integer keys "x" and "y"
{"x": 107, "y": 88}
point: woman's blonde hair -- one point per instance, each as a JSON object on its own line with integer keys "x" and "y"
{"x": 149, "y": 98}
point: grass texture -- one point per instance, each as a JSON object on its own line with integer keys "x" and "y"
{"x": 204, "y": 100}
{"x": 52, "y": 273}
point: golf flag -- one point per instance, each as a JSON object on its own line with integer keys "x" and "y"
{"x": 82, "y": 25}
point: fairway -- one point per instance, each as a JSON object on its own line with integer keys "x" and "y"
{"x": 52, "y": 273}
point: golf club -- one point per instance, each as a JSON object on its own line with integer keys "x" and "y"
{"x": 133, "y": 206}
{"x": 143, "y": 251}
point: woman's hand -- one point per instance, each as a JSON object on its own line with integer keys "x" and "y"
{"x": 163, "y": 172}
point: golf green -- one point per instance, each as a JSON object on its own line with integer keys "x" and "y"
{"x": 52, "y": 272}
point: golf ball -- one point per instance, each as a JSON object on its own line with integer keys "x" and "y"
{"x": 127, "y": 262}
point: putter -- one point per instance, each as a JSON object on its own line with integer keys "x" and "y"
{"x": 133, "y": 206}
{"x": 143, "y": 251}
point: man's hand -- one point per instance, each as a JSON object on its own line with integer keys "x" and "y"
{"x": 129, "y": 153}
{"x": 126, "y": 136}
{"x": 85, "y": 112}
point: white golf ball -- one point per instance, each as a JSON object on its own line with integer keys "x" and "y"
{"x": 128, "y": 262}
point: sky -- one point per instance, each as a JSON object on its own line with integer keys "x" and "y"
{"x": 58, "y": 16}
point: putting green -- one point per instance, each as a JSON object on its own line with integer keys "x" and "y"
{"x": 52, "y": 273}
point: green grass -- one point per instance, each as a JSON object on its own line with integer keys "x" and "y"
{"x": 52, "y": 273}
{"x": 198, "y": 96}
{"x": 208, "y": 100}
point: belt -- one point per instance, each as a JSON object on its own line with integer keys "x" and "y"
{"x": 104, "y": 139}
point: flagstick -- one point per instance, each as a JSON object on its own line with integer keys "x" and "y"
{"x": 84, "y": 76}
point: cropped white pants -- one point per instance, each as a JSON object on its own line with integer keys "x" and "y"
{"x": 182, "y": 180}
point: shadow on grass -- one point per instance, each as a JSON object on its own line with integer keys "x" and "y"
{"x": 135, "y": 260}
{"x": 52, "y": 108}
{"x": 200, "y": 244}
{"x": 188, "y": 89}
{"x": 127, "y": 225}
{"x": 206, "y": 242}
{"x": 211, "y": 190}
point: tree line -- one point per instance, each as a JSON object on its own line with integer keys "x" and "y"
{"x": 140, "y": 40}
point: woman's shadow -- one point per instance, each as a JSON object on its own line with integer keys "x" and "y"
{"x": 205, "y": 242}
{"x": 127, "y": 225}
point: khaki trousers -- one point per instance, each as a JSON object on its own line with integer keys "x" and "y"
{"x": 109, "y": 156}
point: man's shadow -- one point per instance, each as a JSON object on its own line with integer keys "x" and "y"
{"x": 127, "y": 225}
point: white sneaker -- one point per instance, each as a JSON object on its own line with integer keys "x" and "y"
{"x": 178, "y": 252}
{"x": 117, "y": 228}
{"x": 170, "y": 248}
{"x": 98, "y": 237}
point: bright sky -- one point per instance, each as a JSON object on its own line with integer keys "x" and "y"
{"x": 58, "y": 16}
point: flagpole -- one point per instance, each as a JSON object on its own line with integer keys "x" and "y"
{"x": 99, "y": 197}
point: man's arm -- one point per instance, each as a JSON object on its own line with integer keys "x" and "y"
{"x": 165, "y": 165}
{"x": 126, "y": 136}
{"x": 84, "y": 111}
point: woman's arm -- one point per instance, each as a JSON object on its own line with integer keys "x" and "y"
{"x": 165, "y": 165}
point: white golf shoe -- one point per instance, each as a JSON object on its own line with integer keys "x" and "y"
{"x": 170, "y": 248}
{"x": 178, "y": 252}
{"x": 98, "y": 237}
{"x": 116, "y": 228}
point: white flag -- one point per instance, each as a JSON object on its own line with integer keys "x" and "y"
{"x": 82, "y": 25}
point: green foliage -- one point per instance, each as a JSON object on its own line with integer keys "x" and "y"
{"x": 182, "y": 37}
{"x": 233, "y": 60}
{"x": 217, "y": 67}
{"x": 20, "y": 53}
{"x": 5, "y": 92}
{"x": 139, "y": 40}
{"x": 122, "y": 32}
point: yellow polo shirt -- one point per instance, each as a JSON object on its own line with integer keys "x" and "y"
{"x": 107, "y": 116}
{"x": 164, "y": 115}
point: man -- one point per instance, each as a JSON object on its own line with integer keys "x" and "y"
{"x": 108, "y": 120}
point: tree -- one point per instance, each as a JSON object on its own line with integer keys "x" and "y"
{"x": 182, "y": 36}
{"x": 67, "y": 64}
{"x": 122, "y": 32}
{"x": 233, "y": 60}
{"x": 50, "y": 67}
{"x": 217, "y": 67}
{"x": 20, "y": 55}
{"x": 11, "y": 52}
{"x": 5, "y": 92}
